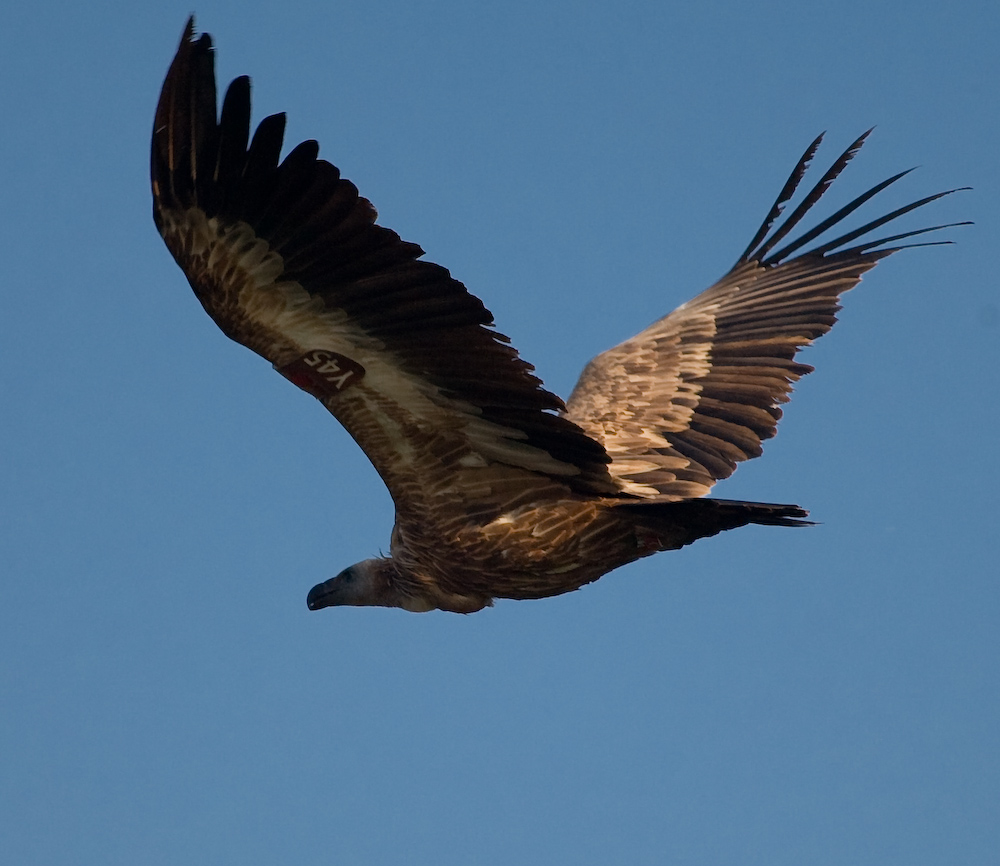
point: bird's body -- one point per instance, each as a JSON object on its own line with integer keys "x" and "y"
{"x": 501, "y": 489}
{"x": 535, "y": 551}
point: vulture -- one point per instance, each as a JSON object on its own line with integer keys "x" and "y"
{"x": 501, "y": 489}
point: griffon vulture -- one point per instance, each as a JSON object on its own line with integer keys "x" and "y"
{"x": 501, "y": 489}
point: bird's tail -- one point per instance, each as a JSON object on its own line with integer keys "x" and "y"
{"x": 671, "y": 525}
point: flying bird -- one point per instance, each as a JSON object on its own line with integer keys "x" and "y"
{"x": 501, "y": 489}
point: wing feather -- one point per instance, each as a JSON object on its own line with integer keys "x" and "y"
{"x": 288, "y": 260}
{"x": 681, "y": 404}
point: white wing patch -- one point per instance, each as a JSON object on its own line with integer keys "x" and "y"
{"x": 306, "y": 327}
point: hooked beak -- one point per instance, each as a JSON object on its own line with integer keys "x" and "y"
{"x": 322, "y": 595}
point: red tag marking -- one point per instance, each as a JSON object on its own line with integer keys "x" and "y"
{"x": 323, "y": 373}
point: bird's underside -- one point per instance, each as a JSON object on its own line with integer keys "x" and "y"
{"x": 501, "y": 490}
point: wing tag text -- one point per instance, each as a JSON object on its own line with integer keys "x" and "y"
{"x": 323, "y": 373}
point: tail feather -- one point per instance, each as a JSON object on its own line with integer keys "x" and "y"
{"x": 677, "y": 524}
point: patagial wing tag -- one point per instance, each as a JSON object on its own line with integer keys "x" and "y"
{"x": 323, "y": 373}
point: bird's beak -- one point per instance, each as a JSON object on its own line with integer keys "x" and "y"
{"x": 322, "y": 595}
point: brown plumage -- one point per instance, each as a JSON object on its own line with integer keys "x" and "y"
{"x": 501, "y": 490}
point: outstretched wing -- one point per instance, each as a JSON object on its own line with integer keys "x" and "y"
{"x": 288, "y": 260}
{"x": 680, "y": 404}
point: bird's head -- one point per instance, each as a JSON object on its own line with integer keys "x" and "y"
{"x": 372, "y": 582}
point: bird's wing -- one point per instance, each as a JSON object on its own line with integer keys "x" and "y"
{"x": 680, "y": 404}
{"x": 288, "y": 260}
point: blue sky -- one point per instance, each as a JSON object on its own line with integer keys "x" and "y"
{"x": 166, "y": 500}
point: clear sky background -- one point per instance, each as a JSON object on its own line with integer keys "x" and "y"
{"x": 822, "y": 696}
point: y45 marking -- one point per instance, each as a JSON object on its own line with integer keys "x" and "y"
{"x": 323, "y": 373}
